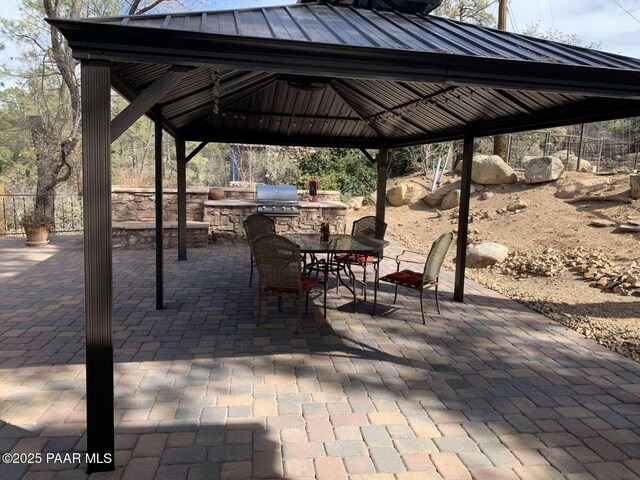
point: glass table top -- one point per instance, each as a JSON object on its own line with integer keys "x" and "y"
{"x": 337, "y": 243}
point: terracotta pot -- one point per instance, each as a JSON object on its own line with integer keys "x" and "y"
{"x": 216, "y": 193}
{"x": 37, "y": 236}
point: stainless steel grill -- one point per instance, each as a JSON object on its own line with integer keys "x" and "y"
{"x": 280, "y": 200}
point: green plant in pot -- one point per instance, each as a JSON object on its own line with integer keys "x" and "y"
{"x": 37, "y": 227}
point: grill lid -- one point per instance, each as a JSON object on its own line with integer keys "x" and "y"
{"x": 277, "y": 194}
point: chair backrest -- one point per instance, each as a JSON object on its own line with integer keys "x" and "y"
{"x": 370, "y": 226}
{"x": 258, "y": 225}
{"x": 278, "y": 262}
{"x": 436, "y": 256}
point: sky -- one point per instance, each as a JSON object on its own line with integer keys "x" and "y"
{"x": 603, "y": 22}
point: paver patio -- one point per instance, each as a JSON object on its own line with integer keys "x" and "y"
{"x": 488, "y": 390}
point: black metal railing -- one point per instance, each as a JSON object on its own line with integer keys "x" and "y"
{"x": 68, "y": 213}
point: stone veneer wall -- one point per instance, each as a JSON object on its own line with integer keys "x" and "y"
{"x": 144, "y": 236}
{"x": 225, "y": 218}
{"x": 137, "y": 204}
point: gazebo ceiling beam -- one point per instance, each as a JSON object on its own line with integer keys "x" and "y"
{"x": 238, "y": 94}
{"x": 413, "y": 104}
{"x": 198, "y": 133}
{"x": 557, "y": 117}
{"x": 387, "y": 112}
{"x": 195, "y": 151}
{"x": 368, "y": 156}
{"x": 431, "y": 100}
{"x": 147, "y": 99}
{"x": 249, "y": 113}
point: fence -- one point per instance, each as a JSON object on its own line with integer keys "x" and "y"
{"x": 603, "y": 154}
{"x": 68, "y": 213}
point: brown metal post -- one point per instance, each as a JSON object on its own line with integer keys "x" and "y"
{"x": 381, "y": 193}
{"x": 182, "y": 198}
{"x": 159, "y": 234}
{"x": 463, "y": 219}
{"x": 98, "y": 270}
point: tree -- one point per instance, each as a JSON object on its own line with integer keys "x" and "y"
{"x": 345, "y": 170}
{"x": 535, "y": 30}
{"x": 472, "y": 11}
{"x": 49, "y": 76}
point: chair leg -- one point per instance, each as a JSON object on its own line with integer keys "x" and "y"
{"x": 306, "y": 302}
{"x": 364, "y": 282}
{"x": 251, "y": 274}
{"x": 395, "y": 297}
{"x": 421, "y": 306}
{"x": 436, "y": 293}
{"x": 298, "y": 324}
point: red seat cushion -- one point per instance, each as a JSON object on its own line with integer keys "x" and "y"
{"x": 358, "y": 259}
{"x": 408, "y": 278}
{"x": 307, "y": 283}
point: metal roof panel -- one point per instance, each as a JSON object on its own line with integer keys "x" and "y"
{"x": 345, "y": 25}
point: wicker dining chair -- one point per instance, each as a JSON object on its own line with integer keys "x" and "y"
{"x": 256, "y": 226}
{"x": 371, "y": 227}
{"x": 280, "y": 271}
{"x": 417, "y": 280}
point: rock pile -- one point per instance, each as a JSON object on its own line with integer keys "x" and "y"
{"x": 595, "y": 267}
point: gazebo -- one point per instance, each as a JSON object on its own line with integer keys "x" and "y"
{"x": 364, "y": 74}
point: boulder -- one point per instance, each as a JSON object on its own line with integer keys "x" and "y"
{"x": 451, "y": 200}
{"x": 487, "y": 195}
{"x": 397, "y": 194}
{"x": 526, "y": 159}
{"x": 486, "y": 254}
{"x": 581, "y": 187}
{"x": 406, "y": 193}
{"x": 492, "y": 170}
{"x": 517, "y": 205}
{"x": 543, "y": 169}
{"x": 476, "y": 158}
{"x": 434, "y": 199}
{"x": 355, "y": 203}
{"x": 561, "y": 154}
{"x": 572, "y": 165}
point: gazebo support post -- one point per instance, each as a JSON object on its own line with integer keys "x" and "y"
{"x": 98, "y": 269}
{"x": 463, "y": 219}
{"x": 182, "y": 198}
{"x": 381, "y": 188}
{"x": 159, "y": 235}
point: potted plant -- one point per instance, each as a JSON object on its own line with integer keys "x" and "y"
{"x": 37, "y": 227}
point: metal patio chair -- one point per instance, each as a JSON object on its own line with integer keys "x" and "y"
{"x": 280, "y": 271}
{"x": 256, "y": 226}
{"x": 371, "y": 227}
{"x": 420, "y": 280}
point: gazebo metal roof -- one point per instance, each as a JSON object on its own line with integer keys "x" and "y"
{"x": 373, "y": 76}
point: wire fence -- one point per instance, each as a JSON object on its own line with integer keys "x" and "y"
{"x": 601, "y": 154}
{"x": 67, "y": 218}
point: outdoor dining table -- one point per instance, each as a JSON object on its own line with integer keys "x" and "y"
{"x": 313, "y": 245}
